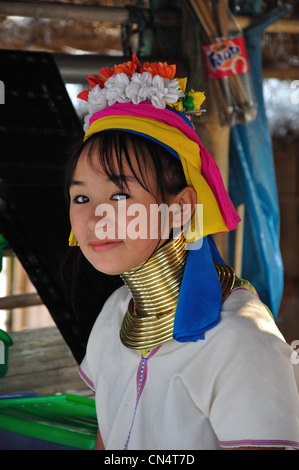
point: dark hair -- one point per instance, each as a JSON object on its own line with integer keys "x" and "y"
{"x": 169, "y": 175}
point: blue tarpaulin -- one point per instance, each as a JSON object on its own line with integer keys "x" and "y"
{"x": 253, "y": 183}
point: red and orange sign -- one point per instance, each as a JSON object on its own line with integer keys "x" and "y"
{"x": 226, "y": 58}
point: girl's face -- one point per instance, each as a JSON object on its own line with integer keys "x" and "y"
{"x": 105, "y": 221}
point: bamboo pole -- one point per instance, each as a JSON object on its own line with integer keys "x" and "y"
{"x": 214, "y": 134}
{"x": 19, "y": 301}
{"x": 238, "y": 251}
{"x": 203, "y": 14}
{"x": 219, "y": 136}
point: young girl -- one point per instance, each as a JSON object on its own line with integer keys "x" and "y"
{"x": 184, "y": 355}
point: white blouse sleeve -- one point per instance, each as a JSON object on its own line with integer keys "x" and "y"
{"x": 252, "y": 391}
{"x": 85, "y": 374}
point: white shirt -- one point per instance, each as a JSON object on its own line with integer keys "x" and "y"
{"x": 234, "y": 388}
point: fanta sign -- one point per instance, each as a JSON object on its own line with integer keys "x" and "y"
{"x": 226, "y": 58}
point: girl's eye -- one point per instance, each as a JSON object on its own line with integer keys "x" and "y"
{"x": 80, "y": 199}
{"x": 120, "y": 196}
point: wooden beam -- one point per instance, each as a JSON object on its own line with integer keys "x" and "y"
{"x": 63, "y": 11}
{"x": 118, "y": 15}
{"x": 283, "y": 73}
{"x": 19, "y": 301}
{"x": 280, "y": 26}
{"x": 58, "y": 11}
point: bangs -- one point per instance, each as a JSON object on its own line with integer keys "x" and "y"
{"x": 118, "y": 151}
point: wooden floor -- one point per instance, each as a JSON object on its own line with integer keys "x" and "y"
{"x": 40, "y": 362}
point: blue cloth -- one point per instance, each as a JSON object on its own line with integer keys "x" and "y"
{"x": 200, "y": 299}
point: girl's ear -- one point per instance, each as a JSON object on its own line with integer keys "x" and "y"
{"x": 185, "y": 202}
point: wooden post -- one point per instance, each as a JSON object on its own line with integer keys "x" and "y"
{"x": 217, "y": 137}
{"x": 214, "y": 135}
{"x": 238, "y": 252}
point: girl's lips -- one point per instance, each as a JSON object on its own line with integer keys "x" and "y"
{"x": 104, "y": 245}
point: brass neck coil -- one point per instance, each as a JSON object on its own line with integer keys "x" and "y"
{"x": 155, "y": 286}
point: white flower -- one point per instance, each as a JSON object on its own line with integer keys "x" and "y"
{"x": 144, "y": 78}
{"x": 115, "y": 89}
{"x": 137, "y": 90}
{"x": 86, "y": 122}
{"x": 164, "y": 91}
{"x": 174, "y": 91}
{"x": 157, "y": 92}
{"x": 140, "y": 87}
{"x": 96, "y": 100}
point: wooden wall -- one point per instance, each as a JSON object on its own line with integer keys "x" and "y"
{"x": 40, "y": 362}
{"x": 286, "y": 157}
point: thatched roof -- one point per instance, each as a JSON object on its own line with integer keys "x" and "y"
{"x": 65, "y": 34}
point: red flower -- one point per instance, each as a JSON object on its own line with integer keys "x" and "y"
{"x": 129, "y": 68}
{"x": 106, "y": 73}
{"x": 157, "y": 68}
{"x": 93, "y": 80}
{"x": 138, "y": 64}
{"x": 96, "y": 79}
{"x": 83, "y": 95}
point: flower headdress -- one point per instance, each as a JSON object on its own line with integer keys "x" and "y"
{"x": 132, "y": 82}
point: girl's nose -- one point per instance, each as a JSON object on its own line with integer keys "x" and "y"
{"x": 102, "y": 221}
{"x": 93, "y": 219}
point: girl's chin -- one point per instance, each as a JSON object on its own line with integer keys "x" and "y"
{"x": 111, "y": 269}
{"x": 116, "y": 258}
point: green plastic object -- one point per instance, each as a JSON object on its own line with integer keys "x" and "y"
{"x": 5, "y": 343}
{"x": 68, "y": 420}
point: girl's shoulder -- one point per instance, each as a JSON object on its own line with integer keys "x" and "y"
{"x": 244, "y": 317}
{"x": 244, "y": 307}
{"x": 246, "y": 330}
{"x": 112, "y": 312}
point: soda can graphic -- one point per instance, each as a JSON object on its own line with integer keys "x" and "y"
{"x": 226, "y": 62}
{"x": 226, "y": 58}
